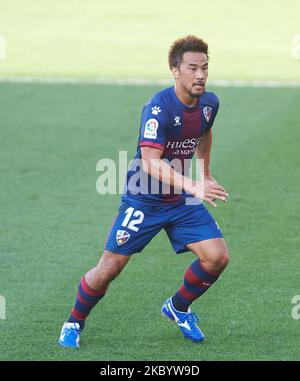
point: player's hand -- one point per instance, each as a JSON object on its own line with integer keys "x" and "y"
{"x": 213, "y": 191}
{"x": 208, "y": 190}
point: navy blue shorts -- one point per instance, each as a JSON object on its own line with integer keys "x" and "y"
{"x": 136, "y": 224}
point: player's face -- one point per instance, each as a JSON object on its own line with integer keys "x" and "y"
{"x": 192, "y": 73}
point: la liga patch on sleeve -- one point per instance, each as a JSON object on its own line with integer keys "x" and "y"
{"x": 151, "y": 127}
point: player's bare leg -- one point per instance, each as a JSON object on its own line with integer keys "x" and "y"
{"x": 92, "y": 288}
{"x": 107, "y": 269}
{"x": 213, "y": 254}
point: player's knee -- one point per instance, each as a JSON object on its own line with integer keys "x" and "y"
{"x": 222, "y": 259}
{"x": 110, "y": 271}
{"x": 109, "y": 267}
{"x": 218, "y": 261}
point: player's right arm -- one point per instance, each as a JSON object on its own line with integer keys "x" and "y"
{"x": 159, "y": 169}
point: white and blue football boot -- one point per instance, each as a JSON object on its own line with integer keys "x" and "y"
{"x": 70, "y": 335}
{"x": 185, "y": 320}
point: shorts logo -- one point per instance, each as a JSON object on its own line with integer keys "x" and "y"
{"x": 207, "y": 111}
{"x": 122, "y": 237}
{"x": 151, "y": 127}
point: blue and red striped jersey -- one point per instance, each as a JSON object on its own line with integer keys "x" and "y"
{"x": 175, "y": 129}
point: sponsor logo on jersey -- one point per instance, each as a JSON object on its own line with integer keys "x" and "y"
{"x": 177, "y": 121}
{"x": 186, "y": 143}
{"x": 207, "y": 111}
{"x": 155, "y": 110}
{"x": 122, "y": 237}
{"x": 151, "y": 127}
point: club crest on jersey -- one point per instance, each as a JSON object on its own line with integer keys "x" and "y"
{"x": 122, "y": 237}
{"x": 207, "y": 111}
{"x": 151, "y": 127}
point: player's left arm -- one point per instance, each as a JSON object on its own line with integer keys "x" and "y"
{"x": 203, "y": 150}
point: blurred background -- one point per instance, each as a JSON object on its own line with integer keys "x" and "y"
{"x": 252, "y": 39}
{"x": 68, "y": 71}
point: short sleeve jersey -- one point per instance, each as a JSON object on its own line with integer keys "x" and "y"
{"x": 175, "y": 129}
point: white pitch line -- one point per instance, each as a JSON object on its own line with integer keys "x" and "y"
{"x": 241, "y": 83}
{"x": 78, "y": 80}
{"x": 139, "y": 82}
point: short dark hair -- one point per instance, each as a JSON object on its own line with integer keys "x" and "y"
{"x": 189, "y": 43}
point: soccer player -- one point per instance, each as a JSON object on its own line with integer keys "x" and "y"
{"x": 175, "y": 124}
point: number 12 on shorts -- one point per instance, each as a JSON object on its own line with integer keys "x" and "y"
{"x": 131, "y": 223}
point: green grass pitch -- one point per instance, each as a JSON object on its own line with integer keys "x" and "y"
{"x": 53, "y": 226}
